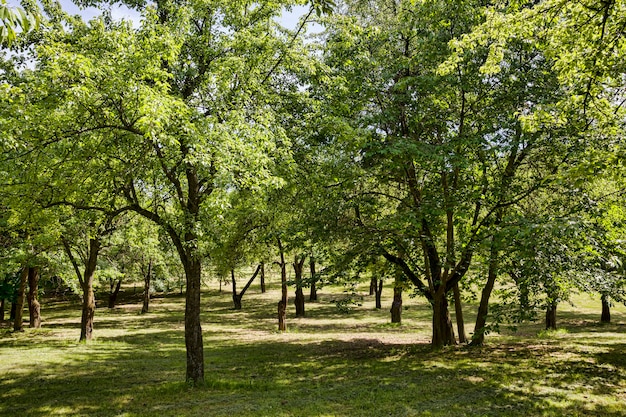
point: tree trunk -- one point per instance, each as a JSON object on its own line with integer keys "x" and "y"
{"x": 114, "y": 293}
{"x": 18, "y": 323}
{"x": 146, "y": 289}
{"x": 282, "y": 304}
{"x": 313, "y": 293}
{"x": 89, "y": 299}
{"x": 298, "y": 267}
{"x": 2, "y": 304}
{"x": 379, "y": 293}
{"x": 373, "y": 285}
{"x": 13, "y": 311}
{"x": 34, "y": 308}
{"x": 478, "y": 338}
{"x": 458, "y": 310}
{"x": 193, "y": 329}
{"x": 606, "y": 309}
{"x": 396, "y": 305}
{"x": 551, "y": 316}
{"x": 236, "y": 297}
{"x": 262, "y": 278}
{"x": 443, "y": 331}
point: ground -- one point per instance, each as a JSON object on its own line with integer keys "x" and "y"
{"x": 330, "y": 363}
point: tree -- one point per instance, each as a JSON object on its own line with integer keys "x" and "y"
{"x": 14, "y": 18}
{"x": 176, "y": 139}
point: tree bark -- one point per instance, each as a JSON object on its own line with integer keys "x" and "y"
{"x": 34, "y": 308}
{"x": 146, "y": 289}
{"x": 373, "y": 285}
{"x": 282, "y": 304}
{"x": 262, "y": 278}
{"x": 313, "y": 293}
{"x": 606, "y": 309}
{"x": 113, "y": 294}
{"x": 551, "y": 316}
{"x": 298, "y": 267}
{"x": 193, "y": 328}
{"x": 379, "y": 293}
{"x": 478, "y": 338}
{"x": 236, "y": 297}
{"x": 18, "y": 323}
{"x": 89, "y": 299}
{"x": 396, "y": 305}
{"x": 443, "y": 331}
{"x": 458, "y": 310}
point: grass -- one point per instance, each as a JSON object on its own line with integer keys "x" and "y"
{"x": 328, "y": 364}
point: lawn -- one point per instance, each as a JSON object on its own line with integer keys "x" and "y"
{"x": 330, "y": 363}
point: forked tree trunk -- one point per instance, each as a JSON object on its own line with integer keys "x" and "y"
{"x": 606, "y": 309}
{"x": 237, "y": 297}
{"x": 298, "y": 267}
{"x": 379, "y": 293}
{"x": 146, "y": 289}
{"x": 282, "y": 304}
{"x": 313, "y": 293}
{"x": 551, "y": 316}
{"x": 458, "y": 310}
{"x": 396, "y": 305}
{"x": 34, "y": 308}
{"x": 18, "y": 323}
{"x": 114, "y": 293}
{"x": 443, "y": 331}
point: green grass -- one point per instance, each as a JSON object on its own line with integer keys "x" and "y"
{"x": 328, "y": 364}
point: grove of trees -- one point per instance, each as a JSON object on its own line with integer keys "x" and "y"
{"x": 445, "y": 148}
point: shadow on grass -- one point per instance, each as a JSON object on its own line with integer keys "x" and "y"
{"x": 139, "y": 375}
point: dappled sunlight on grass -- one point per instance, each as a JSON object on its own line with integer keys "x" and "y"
{"x": 328, "y": 363}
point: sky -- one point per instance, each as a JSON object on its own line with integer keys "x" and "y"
{"x": 289, "y": 19}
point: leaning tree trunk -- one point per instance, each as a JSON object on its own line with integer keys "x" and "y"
{"x": 396, "y": 305}
{"x": 443, "y": 330}
{"x": 313, "y": 293}
{"x": 282, "y": 304}
{"x": 146, "y": 289}
{"x": 458, "y": 310}
{"x": 298, "y": 267}
{"x": 478, "y": 338}
{"x": 606, "y": 309}
{"x": 193, "y": 329}
{"x": 34, "y": 308}
{"x": 551, "y": 316}
{"x": 114, "y": 293}
{"x": 378, "y": 288}
{"x": 18, "y": 323}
